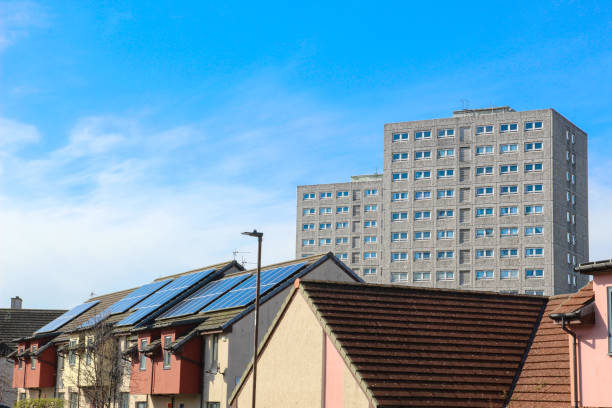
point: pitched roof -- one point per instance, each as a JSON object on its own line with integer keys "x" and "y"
{"x": 576, "y": 301}
{"x": 591, "y": 268}
{"x": 427, "y": 347}
{"x": 545, "y": 378}
{"x": 17, "y": 323}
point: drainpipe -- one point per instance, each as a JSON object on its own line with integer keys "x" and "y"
{"x": 566, "y": 318}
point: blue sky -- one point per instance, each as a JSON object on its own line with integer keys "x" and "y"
{"x": 138, "y": 139}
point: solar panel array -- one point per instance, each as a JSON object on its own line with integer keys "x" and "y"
{"x": 67, "y": 317}
{"x": 163, "y": 296}
{"x": 134, "y": 297}
{"x": 208, "y": 293}
{"x": 245, "y": 292}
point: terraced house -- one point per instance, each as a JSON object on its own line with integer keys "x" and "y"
{"x": 181, "y": 341}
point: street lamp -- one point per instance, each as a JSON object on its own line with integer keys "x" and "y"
{"x": 259, "y": 236}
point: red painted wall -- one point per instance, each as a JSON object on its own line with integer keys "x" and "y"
{"x": 140, "y": 380}
{"x": 191, "y": 373}
{"x": 182, "y": 377}
{"x": 19, "y": 374}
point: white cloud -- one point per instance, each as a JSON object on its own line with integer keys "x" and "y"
{"x": 16, "y": 18}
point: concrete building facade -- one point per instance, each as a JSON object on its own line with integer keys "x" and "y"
{"x": 488, "y": 199}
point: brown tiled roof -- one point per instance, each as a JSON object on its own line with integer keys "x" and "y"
{"x": 17, "y": 323}
{"x": 545, "y": 379}
{"x": 428, "y": 347}
{"x": 577, "y": 300}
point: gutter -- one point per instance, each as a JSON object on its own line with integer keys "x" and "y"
{"x": 565, "y": 319}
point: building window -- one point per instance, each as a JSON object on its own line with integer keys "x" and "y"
{"x": 141, "y": 404}
{"x": 533, "y": 188}
{"x": 72, "y": 352}
{"x": 484, "y": 232}
{"x": 422, "y": 195}
{"x": 325, "y": 210}
{"x": 533, "y": 126}
{"x": 369, "y": 255}
{"x": 166, "y": 352}
{"x": 422, "y": 155}
{"x": 34, "y": 359}
{"x": 508, "y": 231}
{"x": 445, "y": 275}
{"x": 445, "y": 255}
{"x": 143, "y": 358}
{"x": 399, "y": 216}
{"x": 505, "y": 190}
{"x": 506, "y": 274}
{"x": 342, "y": 256}
{"x": 342, "y": 210}
{"x": 508, "y": 148}
{"x": 446, "y": 234}
{"x": 533, "y": 146}
{"x": 534, "y": 292}
{"x": 370, "y": 239}
{"x": 307, "y": 227}
{"x": 533, "y": 167}
{"x": 125, "y": 400}
{"x": 422, "y": 174}
{"x": 446, "y": 173}
{"x": 369, "y": 224}
{"x": 421, "y": 276}
{"x": 486, "y": 274}
{"x": 426, "y": 134}
{"x": 508, "y": 127}
{"x": 448, "y": 193}
{"x": 446, "y": 153}
{"x": 61, "y": 396}
{"x": 445, "y": 214}
{"x": 400, "y": 137}
{"x": 534, "y": 252}
{"x": 399, "y": 256}
{"x": 74, "y": 400}
{"x": 369, "y": 271}
{"x": 399, "y": 196}
{"x": 484, "y": 253}
{"x": 324, "y": 241}
{"x": 422, "y": 255}
{"x": 508, "y": 168}
{"x": 308, "y": 242}
{"x": 484, "y": 171}
{"x": 324, "y": 226}
{"x": 309, "y": 196}
{"x": 508, "y": 253}
{"x": 341, "y": 240}
{"x": 341, "y": 225}
{"x": 370, "y": 208}
{"x": 399, "y": 157}
{"x": 443, "y": 133}
{"x": 308, "y": 211}
{"x": 504, "y": 211}
{"x": 534, "y": 273}
{"x": 400, "y": 176}
{"x": 371, "y": 192}
{"x": 484, "y": 212}
{"x": 484, "y": 191}
{"x": 422, "y": 215}
{"x": 484, "y": 130}
{"x": 537, "y": 230}
{"x": 533, "y": 210}
{"x": 399, "y": 236}
{"x": 422, "y": 235}
{"x": 325, "y": 194}
{"x": 342, "y": 194}
{"x": 399, "y": 277}
{"x": 481, "y": 150}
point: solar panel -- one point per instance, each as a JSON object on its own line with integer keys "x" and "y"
{"x": 245, "y": 292}
{"x": 67, "y": 317}
{"x": 164, "y": 295}
{"x": 134, "y": 297}
{"x": 203, "y": 296}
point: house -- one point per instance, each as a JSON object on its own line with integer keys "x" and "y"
{"x": 372, "y": 345}
{"x": 16, "y": 322}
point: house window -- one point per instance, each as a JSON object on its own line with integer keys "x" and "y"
{"x": 421, "y": 276}
{"x": 422, "y": 235}
{"x": 61, "y": 396}
{"x": 422, "y": 255}
{"x": 422, "y": 174}
{"x": 508, "y": 168}
{"x": 508, "y": 231}
{"x": 484, "y": 191}
{"x": 88, "y": 352}
{"x": 422, "y": 155}
{"x": 143, "y": 359}
{"x": 369, "y": 271}
{"x": 533, "y": 146}
{"x": 445, "y": 275}
{"x": 484, "y": 212}
{"x": 446, "y": 173}
{"x": 125, "y": 400}
{"x": 34, "y": 359}
{"x": 371, "y": 192}
{"x": 443, "y": 133}
{"x": 533, "y": 167}
{"x": 400, "y": 137}
{"x": 508, "y": 148}
{"x": 506, "y": 274}
{"x": 400, "y": 157}
{"x": 533, "y": 126}
{"x": 399, "y": 256}
{"x": 167, "y": 341}
{"x": 399, "y": 216}
{"x": 505, "y": 190}
{"x": 508, "y": 127}
{"x": 426, "y": 134}
{"x": 484, "y": 171}
{"x": 422, "y": 195}
{"x": 534, "y": 273}
{"x": 503, "y": 211}
{"x": 22, "y": 396}
{"x": 400, "y": 176}
{"x": 446, "y": 153}
{"x": 486, "y": 274}
{"x": 399, "y": 196}
{"x": 74, "y": 400}
{"x": 422, "y": 215}
{"x": 481, "y": 150}
{"x": 484, "y": 232}
{"x": 309, "y": 196}
{"x": 141, "y": 404}
{"x": 484, "y": 130}
{"x": 72, "y": 352}
{"x": 399, "y": 277}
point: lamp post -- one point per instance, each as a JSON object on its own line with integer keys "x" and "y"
{"x": 259, "y": 236}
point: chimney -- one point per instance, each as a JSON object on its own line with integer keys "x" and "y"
{"x": 16, "y": 302}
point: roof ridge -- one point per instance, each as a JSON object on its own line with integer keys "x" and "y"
{"x": 179, "y": 274}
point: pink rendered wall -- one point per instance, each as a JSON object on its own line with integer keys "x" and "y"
{"x": 594, "y": 363}
{"x": 334, "y": 376}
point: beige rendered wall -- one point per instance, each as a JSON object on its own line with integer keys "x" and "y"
{"x": 353, "y": 395}
{"x": 289, "y": 372}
